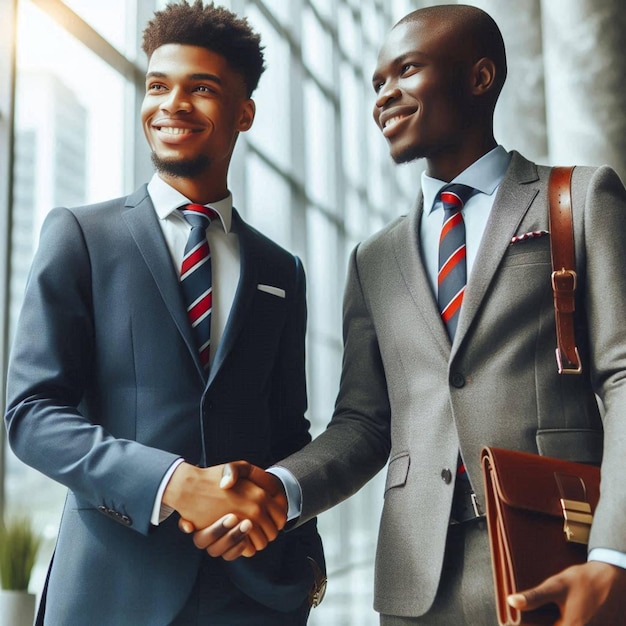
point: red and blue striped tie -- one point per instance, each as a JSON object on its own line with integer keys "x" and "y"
{"x": 452, "y": 276}
{"x": 196, "y": 278}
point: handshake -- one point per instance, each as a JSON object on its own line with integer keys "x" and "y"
{"x": 232, "y": 510}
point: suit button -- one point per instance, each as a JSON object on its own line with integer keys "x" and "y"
{"x": 446, "y": 476}
{"x": 457, "y": 380}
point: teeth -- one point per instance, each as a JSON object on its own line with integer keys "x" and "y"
{"x": 393, "y": 120}
{"x": 174, "y": 131}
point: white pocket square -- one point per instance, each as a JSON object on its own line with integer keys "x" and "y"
{"x": 275, "y": 291}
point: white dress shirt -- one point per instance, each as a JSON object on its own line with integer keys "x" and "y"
{"x": 225, "y": 267}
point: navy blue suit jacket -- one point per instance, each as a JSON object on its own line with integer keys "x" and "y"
{"x": 105, "y": 391}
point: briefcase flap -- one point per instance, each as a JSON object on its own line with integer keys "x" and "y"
{"x": 541, "y": 484}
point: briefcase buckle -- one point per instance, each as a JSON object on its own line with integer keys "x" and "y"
{"x": 578, "y": 519}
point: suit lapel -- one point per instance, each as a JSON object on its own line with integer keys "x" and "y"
{"x": 144, "y": 227}
{"x": 243, "y": 296}
{"x": 513, "y": 199}
{"x": 407, "y": 250}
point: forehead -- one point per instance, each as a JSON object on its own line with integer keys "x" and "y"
{"x": 181, "y": 58}
{"x": 184, "y": 62}
{"x": 430, "y": 39}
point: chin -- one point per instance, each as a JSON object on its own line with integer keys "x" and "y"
{"x": 406, "y": 155}
{"x": 180, "y": 168}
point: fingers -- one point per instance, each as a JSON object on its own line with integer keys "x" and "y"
{"x": 551, "y": 590}
{"x": 237, "y": 470}
{"x": 224, "y": 533}
{"x": 186, "y": 526}
{"x": 268, "y": 514}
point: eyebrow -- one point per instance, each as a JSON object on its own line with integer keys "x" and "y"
{"x": 199, "y": 76}
{"x": 400, "y": 60}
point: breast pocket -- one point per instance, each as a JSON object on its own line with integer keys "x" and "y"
{"x": 534, "y": 251}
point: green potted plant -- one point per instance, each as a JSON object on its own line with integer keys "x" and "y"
{"x": 19, "y": 544}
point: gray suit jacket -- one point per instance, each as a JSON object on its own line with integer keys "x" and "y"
{"x": 105, "y": 391}
{"x": 410, "y": 397}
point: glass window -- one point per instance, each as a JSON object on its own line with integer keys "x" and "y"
{"x": 319, "y": 136}
{"x": 280, "y": 10}
{"x": 317, "y": 47}
{"x": 98, "y": 15}
{"x": 268, "y": 201}
{"x": 70, "y": 131}
{"x": 271, "y": 131}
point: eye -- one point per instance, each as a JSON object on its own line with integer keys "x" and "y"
{"x": 378, "y": 86}
{"x": 205, "y": 89}
{"x": 155, "y": 87}
{"x": 407, "y": 67}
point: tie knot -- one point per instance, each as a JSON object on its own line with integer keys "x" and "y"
{"x": 198, "y": 215}
{"x": 454, "y": 196}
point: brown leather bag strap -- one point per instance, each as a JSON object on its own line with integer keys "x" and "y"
{"x": 563, "y": 269}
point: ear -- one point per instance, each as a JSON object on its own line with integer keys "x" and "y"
{"x": 483, "y": 76}
{"x": 246, "y": 115}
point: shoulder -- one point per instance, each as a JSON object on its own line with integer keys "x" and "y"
{"x": 382, "y": 241}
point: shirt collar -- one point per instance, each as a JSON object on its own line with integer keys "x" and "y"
{"x": 485, "y": 175}
{"x": 166, "y": 200}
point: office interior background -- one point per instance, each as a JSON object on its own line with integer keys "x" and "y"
{"x": 313, "y": 173}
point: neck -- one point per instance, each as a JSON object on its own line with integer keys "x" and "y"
{"x": 202, "y": 191}
{"x": 447, "y": 166}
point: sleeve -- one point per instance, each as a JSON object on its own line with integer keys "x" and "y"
{"x": 356, "y": 443}
{"x": 50, "y": 368}
{"x": 602, "y": 249}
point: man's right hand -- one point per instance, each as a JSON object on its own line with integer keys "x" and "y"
{"x": 228, "y": 537}
{"x": 201, "y": 498}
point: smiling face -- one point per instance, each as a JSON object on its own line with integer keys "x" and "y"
{"x": 425, "y": 96}
{"x": 195, "y": 106}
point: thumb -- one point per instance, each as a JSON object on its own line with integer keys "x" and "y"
{"x": 230, "y": 475}
{"x": 550, "y": 590}
{"x": 233, "y": 471}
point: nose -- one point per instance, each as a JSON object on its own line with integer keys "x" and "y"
{"x": 389, "y": 91}
{"x": 176, "y": 101}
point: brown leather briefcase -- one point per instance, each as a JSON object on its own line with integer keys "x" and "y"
{"x": 539, "y": 514}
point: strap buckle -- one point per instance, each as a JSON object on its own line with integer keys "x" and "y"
{"x": 569, "y": 368}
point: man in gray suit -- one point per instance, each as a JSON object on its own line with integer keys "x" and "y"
{"x": 111, "y": 394}
{"x": 416, "y": 393}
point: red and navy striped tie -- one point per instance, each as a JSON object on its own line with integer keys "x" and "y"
{"x": 196, "y": 278}
{"x": 452, "y": 276}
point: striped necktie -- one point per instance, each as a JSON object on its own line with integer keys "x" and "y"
{"x": 452, "y": 276}
{"x": 196, "y": 278}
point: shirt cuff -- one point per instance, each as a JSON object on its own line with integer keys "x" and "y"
{"x": 292, "y": 489}
{"x": 613, "y": 557}
{"x": 160, "y": 512}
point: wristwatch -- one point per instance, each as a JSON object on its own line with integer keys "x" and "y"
{"x": 316, "y": 595}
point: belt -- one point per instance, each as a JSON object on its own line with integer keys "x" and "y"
{"x": 465, "y": 505}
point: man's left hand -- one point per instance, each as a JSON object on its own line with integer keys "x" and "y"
{"x": 591, "y": 594}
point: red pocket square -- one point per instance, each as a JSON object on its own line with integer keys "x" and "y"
{"x": 531, "y": 235}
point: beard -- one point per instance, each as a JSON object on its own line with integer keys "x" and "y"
{"x": 410, "y": 153}
{"x": 181, "y": 168}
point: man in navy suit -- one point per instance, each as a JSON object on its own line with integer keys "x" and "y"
{"x": 107, "y": 392}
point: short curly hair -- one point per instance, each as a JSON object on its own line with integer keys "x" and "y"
{"x": 214, "y": 28}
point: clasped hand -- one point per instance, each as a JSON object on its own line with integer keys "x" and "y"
{"x": 235, "y": 510}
